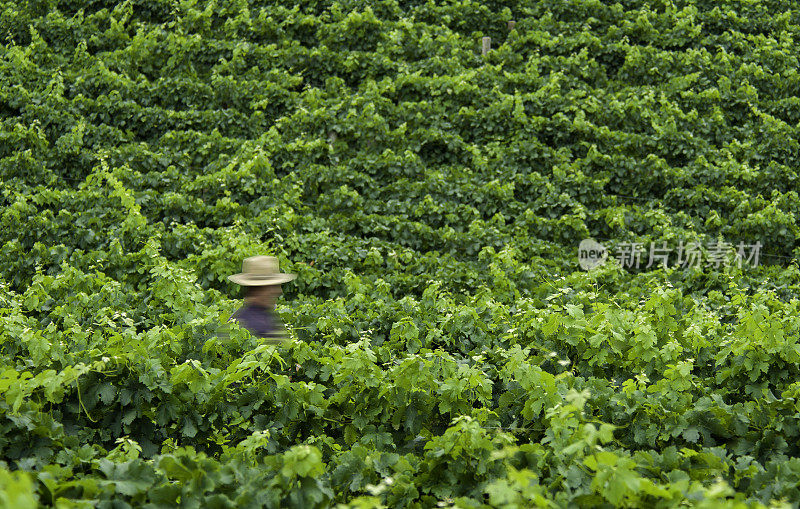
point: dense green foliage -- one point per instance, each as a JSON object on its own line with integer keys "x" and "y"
{"x": 431, "y": 201}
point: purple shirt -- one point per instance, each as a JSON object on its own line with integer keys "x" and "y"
{"x": 258, "y": 320}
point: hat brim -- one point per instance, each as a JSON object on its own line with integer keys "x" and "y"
{"x": 250, "y": 280}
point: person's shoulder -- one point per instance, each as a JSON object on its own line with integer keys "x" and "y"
{"x": 239, "y": 313}
{"x": 250, "y": 312}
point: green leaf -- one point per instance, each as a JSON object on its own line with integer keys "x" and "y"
{"x": 691, "y": 434}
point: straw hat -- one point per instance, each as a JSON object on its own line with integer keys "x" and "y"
{"x": 261, "y": 271}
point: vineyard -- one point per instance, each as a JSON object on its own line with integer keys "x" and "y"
{"x": 430, "y": 189}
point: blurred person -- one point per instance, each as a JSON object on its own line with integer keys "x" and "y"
{"x": 261, "y": 281}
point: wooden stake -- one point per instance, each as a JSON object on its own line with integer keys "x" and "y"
{"x": 487, "y": 45}
{"x": 511, "y": 25}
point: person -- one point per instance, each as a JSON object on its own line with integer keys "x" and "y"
{"x": 261, "y": 281}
